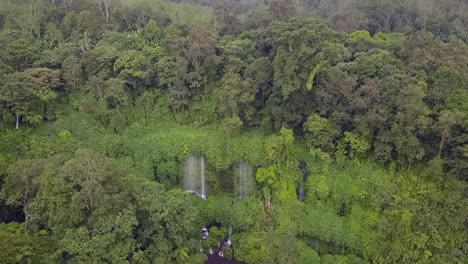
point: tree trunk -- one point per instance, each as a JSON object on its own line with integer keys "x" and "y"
{"x": 442, "y": 142}
{"x": 17, "y": 121}
{"x": 69, "y": 4}
{"x": 268, "y": 209}
{"x": 106, "y": 6}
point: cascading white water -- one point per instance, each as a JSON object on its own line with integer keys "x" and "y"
{"x": 228, "y": 243}
{"x": 203, "y": 177}
{"x": 195, "y": 176}
{"x": 189, "y": 171}
{"x": 245, "y": 179}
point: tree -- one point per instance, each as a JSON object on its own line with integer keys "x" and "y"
{"x": 446, "y": 121}
{"x": 187, "y": 68}
{"x": 20, "y": 54}
{"x": 26, "y": 94}
{"x": 24, "y": 247}
{"x": 105, "y": 7}
{"x": 136, "y": 69}
{"x": 444, "y": 81}
{"x": 349, "y": 20}
{"x": 110, "y": 97}
{"x": 458, "y": 100}
{"x": 43, "y": 81}
{"x": 68, "y": 5}
{"x": 353, "y": 145}
{"x": 268, "y": 178}
{"x": 172, "y": 74}
{"x": 26, "y": 17}
{"x": 279, "y": 147}
{"x": 111, "y": 239}
{"x": 374, "y": 63}
{"x": 412, "y": 228}
{"x": 100, "y": 61}
{"x": 88, "y": 200}
{"x": 22, "y": 184}
{"x": 232, "y": 125}
{"x": 16, "y": 97}
{"x": 234, "y": 98}
{"x": 82, "y": 26}
{"x": 410, "y": 122}
{"x": 198, "y": 49}
{"x": 261, "y": 17}
{"x": 320, "y": 132}
{"x": 299, "y": 51}
{"x": 85, "y": 203}
{"x": 333, "y": 95}
{"x": 456, "y": 153}
{"x": 91, "y": 189}
{"x": 282, "y": 9}
{"x": 368, "y": 105}
{"x": 166, "y": 227}
{"x": 53, "y": 36}
{"x": 72, "y": 69}
{"x": 152, "y": 32}
{"x": 379, "y": 117}
{"x": 227, "y": 11}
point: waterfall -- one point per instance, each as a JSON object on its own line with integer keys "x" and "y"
{"x": 300, "y": 192}
{"x": 195, "y": 176}
{"x": 189, "y": 173}
{"x": 245, "y": 179}
{"x": 203, "y": 177}
{"x": 301, "y": 188}
{"x": 228, "y": 243}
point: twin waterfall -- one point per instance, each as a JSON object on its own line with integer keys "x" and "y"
{"x": 195, "y": 180}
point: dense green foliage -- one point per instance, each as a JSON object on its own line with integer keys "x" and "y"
{"x": 103, "y": 100}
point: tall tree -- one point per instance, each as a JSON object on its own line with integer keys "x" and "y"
{"x": 410, "y": 124}
{"x": 26, "y": 95}
{"x": 16, "y": 97}
{"x": 227, "y": 12}
{"x": 23, "y": 184}
{"x": 152, "y": 32}
{"x": 320, "y": 132}
{"x": 443, "y": 81}
{"x": 105, "y": 7}
{"x": 446, "y": 121}
{"x": 189, "y": 63}
{"x": 20, "y": 54}
{"x": 299, "y": 53}
{"x": 283, "y": 9}
{"x": 234, "y": 99}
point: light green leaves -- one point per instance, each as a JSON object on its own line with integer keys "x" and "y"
{"x": 313, "y": 73}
